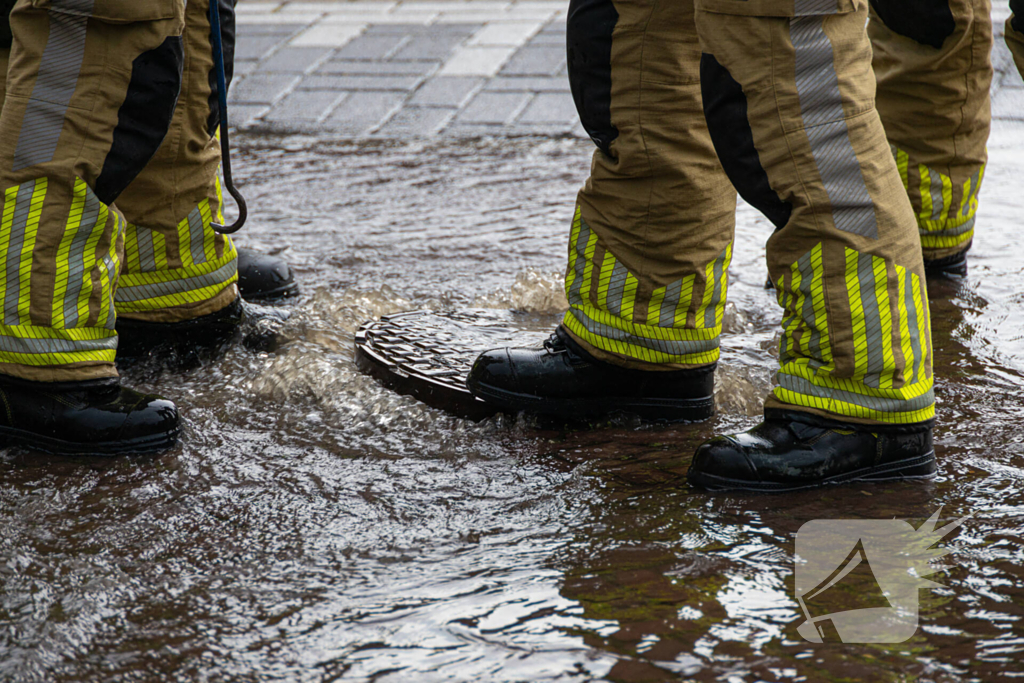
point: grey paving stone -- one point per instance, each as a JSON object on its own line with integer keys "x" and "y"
{"x": 419, "y": 29}
{"x": 256, "y": 46}
{"x": 363, "y": 111}
{"x": 528, "y": 84}
{"x": 303, "y": 106}
{"x": 370, "y": 46}
{"x": 492, "y": 107}
{"x": 293, "y": 59}
{"x": 549, "y": 108}
{"x": 553, "y": 39}
{"x": 1009, "y": 104}
{"x": 269, "y": 29}
{"x": 337, "y": 82}
{"x": 241, "y": 115}
{"x": 535, "y": 61}
{"x": 261, "y": 88}
{"x": 416, "y": 122}
{"x": 356, "y": 68}
{"x": 446, "y": 91}
{"x": 429, "y": 47}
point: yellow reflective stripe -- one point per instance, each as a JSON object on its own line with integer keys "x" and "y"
{"x": 795, "y": 314}
{"x": 108, "y": 274}
{"x": 10, "y": 200}
{"x": 885, "y": 315}
{"x": 185, "y": 243}
{"x": 947, "y": 194}
{"x": 220, "y": 199}
{"x": 178, "y": 299}
{"x": 909, "y": 361}
{"x": 27, "y": 248}
{"x": 159, "y": 251}
{"x": 182, "y": 286}
{"x": 95, "y": 345}
{"x": 209, "y": 236}
{"x": 818, "y": 302}
{"x": 926, "y": 193}
{"x": 709, "y": 292}
{"x": 574, "y": 235}
{"x": 903, "y": 164}
{"x": 63, "y": 266}
{"x": 654, "y": 305}
{"x": 90, "y": 258}
{"x": 923, "y": 323}
{"x": 629, "y": 296}
{"x": 859, "y": 332}
{"x": 845, "y": 409}
{"x": 604, "y": 279}
{"x": 705, "y": 342}
{"x": 588, "y": 267}
{"x": 685, "y": 300}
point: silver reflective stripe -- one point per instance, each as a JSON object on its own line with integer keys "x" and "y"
{"x": 617, "y": 288}
{"x": 912, "y": 329}
{"x": 803, "y": 8}
{"x": 801, "y": 386}
{"x": 935, "y": 187}
{"x": 59, "y": 69}
{"x": 579, "y": 263}
{"x": 147, "y": 254}
{"x": 711, "y": 314}
{"x": 872, "y": 320}
{"x": 195, "y": 233}
{"x": 666, "y": 346}
{"x": 143, "y": 292}
{"x": 112, "y": 271}
{"x": 975, "y": 184}
{"x": 809, "y": 316}
{"x": 670, "y": 304}
{"x": 44, "y": 346}
{"x": 821, "y": 107}
{"x": 22, "y": 208}
{"x": 76, "y": 258}
{"x": 786, "y": 282}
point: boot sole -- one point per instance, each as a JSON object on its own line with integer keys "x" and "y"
{"x": 919, "y": 467}
{"x": 648, "y": 409}
{"x": 35, "y": 442}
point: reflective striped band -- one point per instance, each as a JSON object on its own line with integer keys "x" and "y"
{"x": 805, "y": 323}
{"x": 46, "y": 346}
{"x": 895, "y": 410}
{"x": 56, "y": 79}
{"x": 23, "y": 207}
{"x": 604, "y": 306}
{"x": 821, "y": 108}
{"x": 158, "y": 276}
{"x": 946, "y": 213}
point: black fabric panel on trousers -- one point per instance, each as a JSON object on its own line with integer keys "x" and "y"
{"x": 588, "y": 34}
{"x": 929, "y": 22}
{"x": 725, "y": 108}
{"x": 227, "y": 37}
{"x": 144, "y": 118}
{"x": 5, "y": 23}
{"x": 1017, "y": 6}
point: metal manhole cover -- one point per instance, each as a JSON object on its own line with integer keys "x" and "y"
{"x": 428, "y": 355}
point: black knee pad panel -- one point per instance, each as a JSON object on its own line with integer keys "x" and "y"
{"x": 1017, "y": 7}
{"x": 725, "y": 108}
{"x": 5, "y": 23}
{"x": 928, "y": 22}
{"x": 144, "y": 118}
{"x": 588, "y": 35}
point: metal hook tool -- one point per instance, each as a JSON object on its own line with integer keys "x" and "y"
{"x": 225, "y": 143}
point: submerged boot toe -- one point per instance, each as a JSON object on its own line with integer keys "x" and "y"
{"x": 720, "y": 462}
{"x": 264, "y": 277}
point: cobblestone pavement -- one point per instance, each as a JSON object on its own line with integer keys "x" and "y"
{"x": 420, "y": 67}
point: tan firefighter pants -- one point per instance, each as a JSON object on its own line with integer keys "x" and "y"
{"x": 109, "y": 187}
{"x": 783, "y": 91}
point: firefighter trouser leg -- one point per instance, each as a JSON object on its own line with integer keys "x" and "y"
{"x": 653, "y": 231}
{"x": 788, "y": 92}
{"x": 176, "y": 267}
{"x": 90, "y": 92}
{"x": 932, "y": 60}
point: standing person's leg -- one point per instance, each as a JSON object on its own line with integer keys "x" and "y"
{"x": 789, "y": 93}
{"x": 932, "y": 61}
{"x": 71, "y": 138}
{"x": 652, "y": 236}
{"x": 176, "y": 267}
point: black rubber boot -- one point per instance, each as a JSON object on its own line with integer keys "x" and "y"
{"x": 793, "y": 450}
{"x": 264, "y": 278}
{"x": 97, "y": 417}
{"x": 560, "y": 379}
{"x": 953, "y": 267}
{"x": 257, "y": 326}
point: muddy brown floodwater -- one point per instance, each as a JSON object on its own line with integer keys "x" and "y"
{"x": 312, "y": 526}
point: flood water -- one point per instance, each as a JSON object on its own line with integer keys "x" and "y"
{"x": 312, "y": 526}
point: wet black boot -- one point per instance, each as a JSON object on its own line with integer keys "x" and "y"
{"x": 256, "y": 325}
{"x": 794, "y": 450}
{"x": 953, "y": 266}
{"x": 264, "y": 277}
{"x": 562, "y": 380}
{"x": 96, "y": 417}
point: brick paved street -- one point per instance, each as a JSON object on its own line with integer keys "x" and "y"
{"x": 417, "y": 68}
